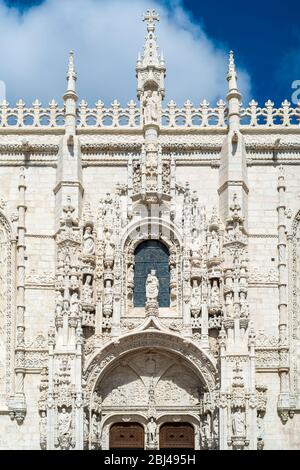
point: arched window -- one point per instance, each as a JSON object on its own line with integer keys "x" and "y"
{"x": 149, "y": 255}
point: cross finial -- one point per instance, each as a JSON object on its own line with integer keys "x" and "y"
{"x": 151, "y": 16}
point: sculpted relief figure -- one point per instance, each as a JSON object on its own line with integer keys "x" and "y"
{"x": 88, "y": 242}
{"x": 152, "y": 286}
{"x": 87, "y": 290}
{"x": 195, "y": 245}
{"x": 215, "y": 293}
{"x": 214, "y": 249}
{"x": 196, "y": 296}
{"x": 74, "y": 304}
{"x": 238, "y": 424}
{"x": 244, "y": 305}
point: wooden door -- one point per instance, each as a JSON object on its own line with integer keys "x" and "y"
{"x": 126, "y": 436}
{"x": 176, "y": 436}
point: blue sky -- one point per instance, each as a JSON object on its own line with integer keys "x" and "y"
{"x": 106, "y": 36}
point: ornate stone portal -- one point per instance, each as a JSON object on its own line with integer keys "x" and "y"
{"x": 171, "y": 307}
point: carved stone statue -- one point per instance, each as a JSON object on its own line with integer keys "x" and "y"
{"x": 214, "y": 248}
{"x": 244, "y": 305}
{"x": 130, "y": 274}
{"x": 152, "y": 286}
{"x": 88, "y": 242}
{"x": 215, "y": 293}
{"x": 87, "y": 290}
{"x": 238, "y": 424}
{"x": 59, "y": 303}
{"x": 151, "y": 432}
{"x": 151, "y": 108}
{"x": 85, "y": 428}
{"x": 196, "y": 296}
{"x": 195, "y": 245}
{"x": 95, "y": 427}
{"x": 108, "y": 298}
{"x": 74, "y": 304}
{"x": 43, "y": 430}
{"x": 64, "y": 422}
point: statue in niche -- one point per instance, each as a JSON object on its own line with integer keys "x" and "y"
{"x": 151, "y": 432}
{"x": 195, "y": 245}
{"x": 88, "y": 241}
{"x": 95, "y": 427}
{"x": 151, "y": 107}
{"x": 238, "y": 423}
{"x": 109, "y": 250}
{"x": 215, "y": 293}
{"x": 43, "y": 427}
{"x": 85, "y": 428}
{"x": 244, "y": 305}
{"x": 130, "y": 274}
{"x": 87, "y": 289}
{"x": 108, "y": 298}
{"x": 260, "y": 428}
{"x": 214, "y": 248}
{"x": 229, "y": 305}
{"x": 74, "y": 304}
{"x": 196, "y": 296}
{"x": 152, "y": 286}
{"x": 59, "y": 303}
{"x": 64, "y": 422}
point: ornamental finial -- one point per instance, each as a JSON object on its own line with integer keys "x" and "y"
{"x": 151, "y": 16}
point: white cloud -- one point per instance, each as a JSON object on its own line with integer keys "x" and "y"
{"x": 106, "y": 36}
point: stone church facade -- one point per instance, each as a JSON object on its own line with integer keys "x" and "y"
{"x": 149, "y": 266}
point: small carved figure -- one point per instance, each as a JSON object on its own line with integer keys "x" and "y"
{"x": 151, "y": 431}
{"x": 59, "y": 303}
{"x": 87, "y": 290}
{"x": 130, "y": 274}
{"x": 74, "y": 304}
{"x": 215, "y": 293}
{"x": 95, "y": 427}
{"x": 64, "y": 422}
{"x": 152, "y": 286}
{"x": 214, "y": 248}
{"x": 43, "y": 426}
{"x": 85, "y": 428}
{"x": 88, "y": 242}
{"x": 244, "y": 305}
{"x": 151, "y": 108}
{"x": 196, "y": 296}
{"x": 238, "y": 423}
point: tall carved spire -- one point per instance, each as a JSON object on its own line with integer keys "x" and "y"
{"x": 234, "y": 97}
{"x": 70, "y": 97}
{"x": 150, "y": 67}
{"x": 71, "y": 75}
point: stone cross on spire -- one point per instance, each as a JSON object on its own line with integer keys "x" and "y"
{"x": 151, "y": 16}
{"x": 150, "y": 67}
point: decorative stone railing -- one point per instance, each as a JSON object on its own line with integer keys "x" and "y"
{"x": 172, "y": 117}
{"x": 33, "y": 117}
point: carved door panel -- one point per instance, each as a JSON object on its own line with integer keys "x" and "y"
{"x": 126, "y": 436}
{"x": 176, "y": 436}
